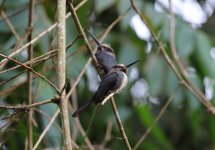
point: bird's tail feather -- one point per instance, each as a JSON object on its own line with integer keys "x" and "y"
{"x": 79, "y": 110}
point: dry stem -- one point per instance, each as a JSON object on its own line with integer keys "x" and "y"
{"x": 181, "y": 77}
{"x": 61, "y": 72}
{"x": 31, "y": 70}
{"x": 30, "y": 75}
{"x": 81, "y": 31}
{"x": 141, "y": 140}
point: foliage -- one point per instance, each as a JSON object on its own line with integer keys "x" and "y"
{"x": 186, "y": 124}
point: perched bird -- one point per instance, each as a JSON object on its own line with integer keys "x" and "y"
{"x": 113, "y": 82}
{"x": 105, "y": 56}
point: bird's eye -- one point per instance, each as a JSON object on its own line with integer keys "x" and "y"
{"x": 100, "y": 48}
{"x": 124, "y": 70}
{"x": 109, "y": 50}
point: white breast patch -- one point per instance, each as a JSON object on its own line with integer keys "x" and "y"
{"x": 124, "y": 83}
{"x": 105, "y": 100}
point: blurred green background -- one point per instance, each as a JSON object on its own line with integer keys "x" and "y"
{"x": 186, "y": 124}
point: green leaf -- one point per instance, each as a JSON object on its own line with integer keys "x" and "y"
{"x": 204, "y": 61}
{"x": 155, "y": 73}
{"x": 184, "y": 39}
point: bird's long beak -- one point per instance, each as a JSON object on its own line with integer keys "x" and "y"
{"x": 97, "y": 42}
{"x": 129, "y": 65}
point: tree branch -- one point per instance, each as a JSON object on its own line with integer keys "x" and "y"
{"x": 185, "y": 82}
{"x": 30, "y": 105}
{"x": 30, "y": 75}
{"x": 39, "y": 36}
{"x": 31, "y": 70}
{"x": 81, "y": 31}
{"x": 61, "y": 72}
{"x": 46, "y": 129}
{"x": 168, "y": 102}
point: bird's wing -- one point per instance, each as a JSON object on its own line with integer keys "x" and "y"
{"x": 106, "y": 87}
{"x": 106, "y": 60}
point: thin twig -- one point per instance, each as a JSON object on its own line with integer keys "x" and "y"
{"x": 81, "y": 31}
{"x": 17, "y": 45}
{"x": 81, "y": 129}
{"x": 119, "y": 123}
{"x": 9, "y": 24}
{"x": 141, "y": 140}
{"x": 160, "y": 46}
{"x": 30, "y": 75}
{"x": 172, "y": 42}
{"x": 29, "y": 105}
{"x": 12, "y": 115}
{"x": 80, "y": 76}
{"x": 24, "y": 107}
{"x": 29, "y": 43}
{"x": 46, "y": 129}
{"x": 8, "y": 80}
{"x": 78, "y": 79}
{"x": 188, "y": 84}
{"x": 107, "y": 137}
{"x": 196, "y": 92}
{"x": 39, "y": 35}
{"x": 51, "y": 101}
{"x": 21, "y": 10}
{"x": 47, "y": 116}
{"x": 90, "y": 123}
{"x": 73, "y": 87}
{"x": 41, "y": 58}
{"x": 37, "y": 60}
{"x": 2, "y": 4}
{"x": 30, "y": 69}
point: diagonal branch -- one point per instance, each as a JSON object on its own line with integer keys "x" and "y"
{"x": 39, "y": 36}
{"x": 41, "y": 58}
{"x": 46, "y": 129}
{"x": 30, "y": 69}
{"x": 104, "y": 34}
{"x": 184, "y": 81}
{"x": 119, "y": 123}
{"x": 13, "y": 77}
{"x": 168, "y": 102}
{"x": 188, "y": 83}
{"x": 81, "y": 31}
{"x": 9, "y": 24}
{"x": 16, "y": 45}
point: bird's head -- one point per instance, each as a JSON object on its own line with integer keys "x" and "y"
{"x": 102, "y": 47}
{"x": 120, "y": 67}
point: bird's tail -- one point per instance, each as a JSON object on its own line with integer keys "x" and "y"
{"x": 79, "y": 110}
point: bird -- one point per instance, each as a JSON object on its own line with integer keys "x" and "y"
{"x": 113, "y": 82}
{"x": 105, "y": 56}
